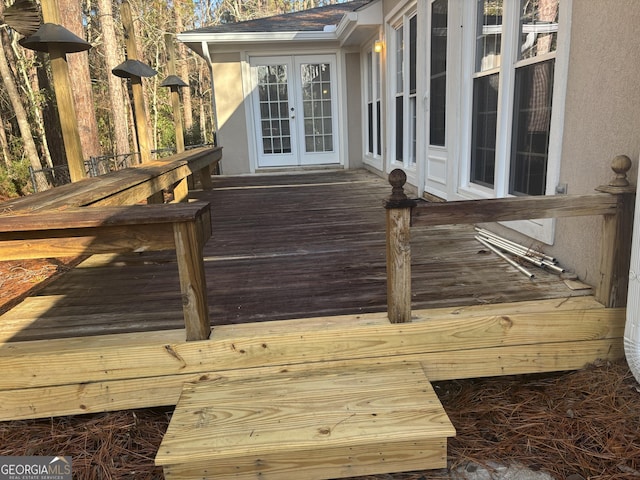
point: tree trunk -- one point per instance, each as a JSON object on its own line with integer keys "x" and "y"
{"x": 183, "y": 71}
{"x": 26, "y": 68}
{"x": 117, "y": 94}
{"x": 50, "y": 117}
{"x": 29, "y": 145}
{"x": 4, "y": 144}
{"x": 71, "y": 15}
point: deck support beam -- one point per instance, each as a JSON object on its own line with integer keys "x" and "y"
{"x": 398, "y": 208}
{"x": 617, "y": 230}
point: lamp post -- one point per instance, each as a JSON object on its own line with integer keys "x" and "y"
{"x": 57, "y": 41}
{"x": 174, "y": 83}
{"x": 134, "y": 69}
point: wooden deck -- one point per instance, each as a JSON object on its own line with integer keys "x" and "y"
{"x": 284, "y": 246}
{"x": 296, "y": 280}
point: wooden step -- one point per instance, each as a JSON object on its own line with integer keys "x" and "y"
{"x": 343, "y": 422}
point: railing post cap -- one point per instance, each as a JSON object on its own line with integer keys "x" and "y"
{"x": 621, "y": 164}
{"x": 398, "y": 199}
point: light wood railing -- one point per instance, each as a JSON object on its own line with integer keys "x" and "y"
{"x": 614, "y": 202}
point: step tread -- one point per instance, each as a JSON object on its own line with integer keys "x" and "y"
{"x": 289, "y": 412}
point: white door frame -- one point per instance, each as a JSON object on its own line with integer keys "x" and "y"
{"x": 298, "y": 110}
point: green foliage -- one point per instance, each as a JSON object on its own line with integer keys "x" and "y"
{"x": 15, "y": 180}
{"x": 166, "y": 132}
{"x": 194, "y": 136}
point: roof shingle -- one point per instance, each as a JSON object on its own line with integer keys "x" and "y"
{"x": 314, "y": 19}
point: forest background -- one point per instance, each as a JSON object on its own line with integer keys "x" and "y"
{"x": 30, "y": 134}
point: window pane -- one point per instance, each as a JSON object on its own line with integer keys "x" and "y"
{"x": 412, "y": 132}
{"x": 399, "y": 129}
{"x": 369, "y": 73}
{"x": 413, "y": 34}
{"x": 488, "y": 35}
{"x": 532, "y": 120}
{"x": 399, "y": 60}
{"x": 370, "y": 127}
{"x": 274, "y": 116}
{"x": 483, "y": 136}
{"x": 438, "y": 72}
{"x": 378, "y": 129}
{"x": 317, "y": 106}
{"x": 538, "y": 27}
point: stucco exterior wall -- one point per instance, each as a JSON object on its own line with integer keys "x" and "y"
{"x": 602, "y": 117}
{"x": 352, "y": 126}
{"x": 230, "y": 111}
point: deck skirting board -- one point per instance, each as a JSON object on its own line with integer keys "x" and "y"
{"x": 115, "y": 372}
{"x": 94, "y": 397}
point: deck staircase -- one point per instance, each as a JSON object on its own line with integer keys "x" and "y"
{"x": 319, "y": 424}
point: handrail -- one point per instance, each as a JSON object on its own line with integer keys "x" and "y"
{"x": 614, "y": 204}
{"x": 517, "y": 208}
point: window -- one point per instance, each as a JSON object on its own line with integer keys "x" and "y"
{"x": 373, "y": 99}
{"x": 537, "y": 39}
{"x": 486, "y": 81}
{"x": 405, "y": 80}
{"x": 438, "y": 73}
{"x": 515, "y": 45}
{"x": 316, "y": 103}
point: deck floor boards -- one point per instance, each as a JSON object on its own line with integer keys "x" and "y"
{"x": 283, "y": 246}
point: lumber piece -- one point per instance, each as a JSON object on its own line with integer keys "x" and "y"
{"x": 316, "y": 425}
{"x": 73, "y": 218}
{"x": 83, "y": 231}
{"x": 518, "y": 208}
{"x": 122, "y": 187}
{"x": 149, "y": 354}
{"x": 189, "y": 243}
{"x": 403, "y": 456}
{"x": 398, "y": 265}
{"x": 92, "y": 397}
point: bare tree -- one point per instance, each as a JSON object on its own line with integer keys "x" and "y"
{"x": 30, "y": 150}
{"x": 118, "y": 96}
{"x": 183, "y": 66}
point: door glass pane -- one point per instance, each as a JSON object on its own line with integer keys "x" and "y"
{"x": 274, "y": 109}
{"x": 532, "y": 121}
{"x": 316, "y": 88}
{"x": 439, "y": 12}
{"x": 488, "y": 34}
{"x": 538, "y": 27}
{"x": 483, "y": 136}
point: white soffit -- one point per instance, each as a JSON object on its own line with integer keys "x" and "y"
{"x": 357, "y": 27}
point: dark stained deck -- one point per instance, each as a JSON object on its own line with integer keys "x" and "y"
{"x": 283, "y": 246}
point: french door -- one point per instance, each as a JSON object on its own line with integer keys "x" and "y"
{"x": 294, "y": 109}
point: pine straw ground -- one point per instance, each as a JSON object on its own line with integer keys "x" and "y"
{"x": 579, "y": 425}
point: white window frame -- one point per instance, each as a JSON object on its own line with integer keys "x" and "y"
{"x": 372, "y": 93}
{"x": 543, "y": 229}
{"x": 410, "y": 158}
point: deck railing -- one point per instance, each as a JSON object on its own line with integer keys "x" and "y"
{"x": 614, "y": 202}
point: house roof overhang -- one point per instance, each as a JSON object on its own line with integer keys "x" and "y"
{"x": 358, "y": 26}
{"x": 353, "y": 29}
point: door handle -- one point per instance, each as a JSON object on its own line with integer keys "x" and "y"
{"x": 293, "y": 112}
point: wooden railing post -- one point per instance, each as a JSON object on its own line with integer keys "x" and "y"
{"x": 615, "y": 247}
{"x": 398, "y": 208}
